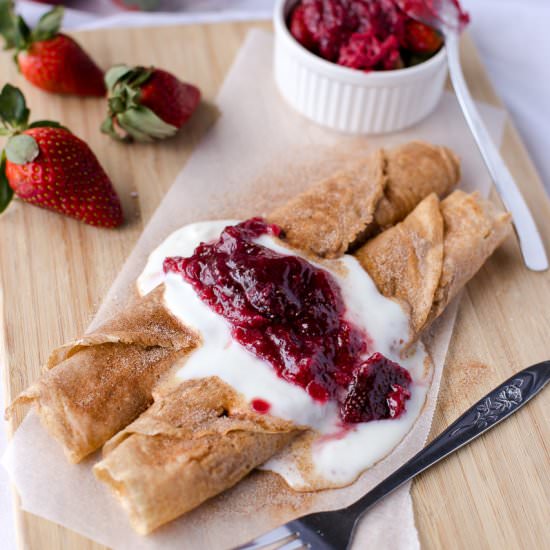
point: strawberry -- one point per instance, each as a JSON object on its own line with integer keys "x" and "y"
{"x": 422, "y": 39}
{"x": 49, "y": 59}
{"x": 147, "y": 103}
{"x": 45, "y": 164}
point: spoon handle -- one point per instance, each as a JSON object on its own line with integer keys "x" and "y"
{"x": 530, "y": 242}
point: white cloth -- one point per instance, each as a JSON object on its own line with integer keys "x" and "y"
{"x": 512, "y": 36}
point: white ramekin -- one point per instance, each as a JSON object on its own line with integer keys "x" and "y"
{"x": 349, "y": 100}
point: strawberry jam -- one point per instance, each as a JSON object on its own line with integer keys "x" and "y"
{"x": 260, "y": 406}
{"x": 368, "y": 397}
{"x": 364, "y": 34}
{"x": 291, "y": 313}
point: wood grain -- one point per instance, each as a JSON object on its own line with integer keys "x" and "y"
{"x": 54, "y": 273}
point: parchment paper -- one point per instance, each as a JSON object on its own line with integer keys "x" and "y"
{"x": 257, "y": 154}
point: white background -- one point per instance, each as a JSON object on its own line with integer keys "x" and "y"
{"x": 513, "y": 38}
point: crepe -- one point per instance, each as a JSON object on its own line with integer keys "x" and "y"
{"x": 342, "y": 211}
{"x": 428, "y": 258}
{"x": 94, "y": 387}
{"x": 432, "y": 253}
{"x": 197, "y": 440}
{"x": 97, "y": 385}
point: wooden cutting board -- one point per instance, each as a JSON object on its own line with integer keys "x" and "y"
{"x": 54, "y": 272}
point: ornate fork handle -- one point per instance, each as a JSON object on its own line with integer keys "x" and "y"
{"x": 334, "y": 530}
{"x": 486, "y": 413}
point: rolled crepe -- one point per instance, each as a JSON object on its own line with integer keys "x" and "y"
{"x": 97, "y": 385}
{"x": 152, "y": 466}
{"x": 428, "y": 258}
{"x": 197, "y": 440}
{"x": 342, "y": 211}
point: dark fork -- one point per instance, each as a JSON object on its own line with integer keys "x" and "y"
{"x": 334, "y": 530}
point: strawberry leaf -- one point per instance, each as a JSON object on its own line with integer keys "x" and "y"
{"x": 21, "y": 149}
{"x": 132, "y": 133}
{"x": 144, "y": 125}
{"x": 7, "y": 23}
{"x": 140, "y": 75}
{"x": 120, "y": 76}
{"x": 116, "y": 105}
{"x": 22, "y": 34}
{"x": 115, "y": 74}
{"x": 13, "y": 108}
{"x": 6, "y": 192}
{"x": 48, "y": 25}
{"x": 108, "y": 127}
{"x": 123, "y": 84}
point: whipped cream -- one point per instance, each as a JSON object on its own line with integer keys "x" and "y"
{"x": 332, "y": 456}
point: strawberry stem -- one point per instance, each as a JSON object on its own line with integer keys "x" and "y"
{"x": 127, "y": 119}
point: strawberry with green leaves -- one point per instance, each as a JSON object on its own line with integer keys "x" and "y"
{"x": 147, "y": 103}
{"x": 44, "y": 164}
{"x": 47, "y": 58}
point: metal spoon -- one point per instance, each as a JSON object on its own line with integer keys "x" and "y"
{"x": 447, "y": 18}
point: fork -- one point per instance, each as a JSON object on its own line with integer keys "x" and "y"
{"x": 334, "y": 530}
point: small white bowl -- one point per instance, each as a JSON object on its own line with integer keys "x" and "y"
{"x": 349, "y": 100}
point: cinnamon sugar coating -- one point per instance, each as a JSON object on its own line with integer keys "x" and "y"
{"x": 428, "y": 258}
{"x": 344, "y": 210}
{"x": 97, "y": 385}
{"x": 474, "y": 228}
{"x": 196, "y": 440}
